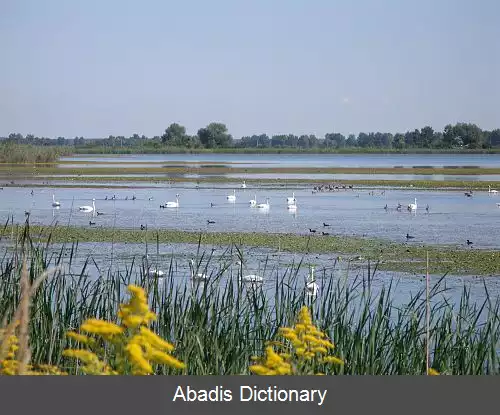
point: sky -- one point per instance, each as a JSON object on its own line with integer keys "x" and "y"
{"x": 98, "y": 68}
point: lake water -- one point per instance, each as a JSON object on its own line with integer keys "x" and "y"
{"x": 452, "y": 218}
{"x": 306, "y": 160}
{"x": 268, "y": 263}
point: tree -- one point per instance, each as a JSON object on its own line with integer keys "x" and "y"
{"x": 399, "y": 141}
{"x": 174, "y": 135}
{"x": 494, "y": 138}
{"x": 215, "y": 135}
{"x": 426, "y": 137}
{"x": 351, "y": 141}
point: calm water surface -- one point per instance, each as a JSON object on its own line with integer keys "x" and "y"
{"x": 452, "y": 218}
{"x": 309, "y": 160}
{"x": 268, "y": 263}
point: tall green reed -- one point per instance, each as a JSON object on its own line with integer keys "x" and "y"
{"x": 219, "y": 325}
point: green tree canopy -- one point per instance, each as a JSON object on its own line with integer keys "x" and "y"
{"x": 215, "y": 135}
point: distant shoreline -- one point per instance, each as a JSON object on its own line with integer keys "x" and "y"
{"x": 176, "y": 150}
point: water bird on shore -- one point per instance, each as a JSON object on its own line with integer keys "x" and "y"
{"x": 493, "y": 191}
{"x": 54, "y": 201}
{"x": 468, "y": 194}
{"x": 133, "y": 197}
{"x": 32, "y": 193}
{"x": 210, "y": 221}
{"x": 469, "y": 242}
{"x": 311, "y": 288}
{"x": 88, "y": 208}
{"x": 91, "y": 223}
{"x": 408, "y": 236}
{"x": 212, "y": 204}
{"x": 232, "y": 197}
{"x": 106, "y": 198}
{"x": 427, "y": 208}
{"x": 326, "y": 224}
{"x": 312, "y": 230}
{"x": 385, "y": 207}
{"x": 143, "y": 227}
{"x": 399, "y": 206}
{"x": 173, "y": 204}
{"x": 325, "y": 233}
{"x": 150, "y": 199}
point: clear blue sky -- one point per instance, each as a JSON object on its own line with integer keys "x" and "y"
{"x": 94, "y": 68}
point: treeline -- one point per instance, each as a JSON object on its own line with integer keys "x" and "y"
{"x": 216, "y": 136}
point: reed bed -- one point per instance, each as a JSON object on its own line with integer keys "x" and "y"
{"x": 218, "y": 326}
{"x": 16, "y": 154}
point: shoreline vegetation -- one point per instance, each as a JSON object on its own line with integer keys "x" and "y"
{"x": 61, "y": 322}
{"x": 105, "y": 150}
{"x": 215, "y": 138}
{"x": 37, "y": 181}
{"x": 391, "y": 256}
{"x": 222, "y": 170}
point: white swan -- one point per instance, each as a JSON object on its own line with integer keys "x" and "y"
{"x": 251, "y": 279}
{"x": 54, "y": 201}
{"x": 232, "y": 197}
{"x": 291, "y": 200}
{"x": 253, "y": 202}
{"x": 155, "y": 273}
{"x": 311, "y": 288}
{"x": 413, "y": 206}
{"x": 292, "y": 207}
{"x": 264, "y": 205}
{"x": 199, "y": 276}
{"x": 88, "y": 208}
{"x": 244, "y": 185}
{"x": 492, "y": 191}
{"x": 173, "y": 204}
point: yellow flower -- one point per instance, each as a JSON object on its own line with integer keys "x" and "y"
{"x": 101, "y": 327}
{"x": 131, "y": 341}
{"x": 308, "y": 346}
{"x": 432, "y": 372}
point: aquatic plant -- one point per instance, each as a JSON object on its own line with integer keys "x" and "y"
{"x": 218, "y": 326}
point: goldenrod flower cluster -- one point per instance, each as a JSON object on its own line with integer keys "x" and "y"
{"x": 9, "y": 365}
{"x": 306, "y": 348}
{"x": 134, "y": 346}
